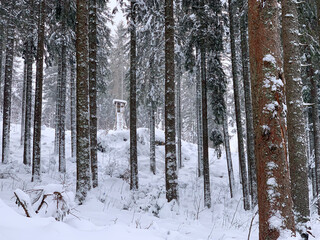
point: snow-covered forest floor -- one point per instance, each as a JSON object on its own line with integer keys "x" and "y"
{"x": 112, "y": 211}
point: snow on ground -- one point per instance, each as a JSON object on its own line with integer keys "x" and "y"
{"x": 112, "y": 211}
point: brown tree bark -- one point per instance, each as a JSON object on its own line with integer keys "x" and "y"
{"x": 83, "y": 132}
{"x": 36, "y": 157}
{"x": 170, "y": 133}
{"x": 236, "y": 90}
{"x": 28, "y": 112}
{"x": 133, "y": 101}
{"x": 93, "y": 89}
{"x": 295, "y": 121}
{"x": 273, "y": 178}
{"x": 8, "y": 87}
{"x": 252, "y": 176}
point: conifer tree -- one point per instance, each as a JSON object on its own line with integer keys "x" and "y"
{"x": 8, "y": 83}
{"x": 83, "y": 132}
{"x": 170, "y": 146}
{"x": 133, "y": 100}
{"x": 274, "y": 195}
{"x": 36, "y": 157}
{"x": 295, "y": 121}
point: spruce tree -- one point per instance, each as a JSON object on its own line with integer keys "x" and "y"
{"x": 36, "y": 157}
{"x": 274, "y": 195}
{"x": 83, "y": 132}
{"x": 170, "y": 143}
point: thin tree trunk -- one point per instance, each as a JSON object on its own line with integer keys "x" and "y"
{"x": 170, "y": 133}
{"x": 28, "y": 118}
{"x": 268, "y": 99}
{"x": 179, "y": 120}
{"x": 236, "y": 89}
{"x": 62, "y": 135}
{"x": 199, "y": 118}
{"x": 7, "y": 88}
{"x": 228, "y": 153}
{"x": 58, "y": 108}
{"x": 295, "y": 121}
{"x": 83, "y": 132}
{"x": 133, "y": 110}
{"x": 23, "y": 111}
{"x": 93, "y": 89}
{"x": 73, "y": 108}
{"x": 206, "y": 170}
{"x": 38, "y": 96}
{"x": 252, "y": 176}
{"x": 152, "y": 118}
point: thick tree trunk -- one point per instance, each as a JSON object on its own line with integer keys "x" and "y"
{"x": 23, "y": 110}
{"x": 295, "y": 121}
{"x": 252, "y": 176}
{"x": 2, "y": 40}
{"x": 236, "y": 89}
{"x": 133, "y": 101}
{"x": 38, "y": 95}
{"x": 93, "y": 89}
{"x": 7, "y": 89}
{"x": 267, "y": 85}
{"x": 228, "y": 153}
{"x": 28, "y": 117}
{"x": 170, "y": 131}
{"x": 83, "y": 132}
{"x": 316, "y": 134}
{"x": 73, "y": 108}
{"x": 315, "y": 117}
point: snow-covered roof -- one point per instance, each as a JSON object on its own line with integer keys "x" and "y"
{"x": 119, "y": 101}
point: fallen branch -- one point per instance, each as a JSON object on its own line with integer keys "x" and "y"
{"x": 23, "y": 204}
{"x": 251, "y": 224}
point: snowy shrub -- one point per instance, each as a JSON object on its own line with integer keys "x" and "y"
{"x": 47, "y": 201}
{"x": 125, "y": 175}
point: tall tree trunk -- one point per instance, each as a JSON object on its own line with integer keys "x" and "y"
{"x": 93, "y": 89}
{"x": 28, "y": 117}
{"x": 170, "y": 131}
{"x": 1, "y": 58}
{"x": 7, "y": 88}
{"x": 295, "y": 121}
{"x": 315, "y": 117}
{"x": 23, "y": 111}
{"x": 228, "y": 153}
{"x": 152, "y": 117}
{"x": 58, "y": 107}
{"x": 179, "y": 120}
{"x": 73, "y": 108}
{"x": 274, "y": 195}
{"x": 199, "y": 117}
{"x": 206, "y": 170}
{"x": 252, "y": 176}
{"x": 62, "y": 115}
{"x": 38, "y": 96}
{"x": 133, "y": 101}
{"x": 83, "y": 132}
{"x": 316, "y": 134}
{"x": 236, "y": 89}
